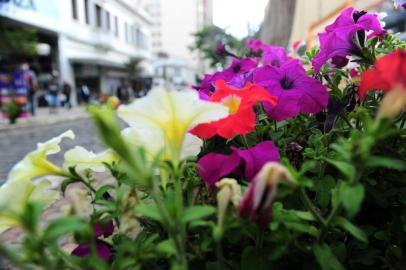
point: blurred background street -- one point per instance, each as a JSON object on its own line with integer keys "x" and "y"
{"x": 58, "y": 56}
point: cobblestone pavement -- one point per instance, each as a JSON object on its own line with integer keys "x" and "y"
{"x": 15, "y": 144}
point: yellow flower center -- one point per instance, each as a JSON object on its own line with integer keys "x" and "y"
{"x": 232, "y": 102}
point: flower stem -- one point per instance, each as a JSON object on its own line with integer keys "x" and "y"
{"x": 245, "y": 141}
{"x": 180, "y": 226}
{"x": 260, "y": 238}
{"x": 311, "y": 207}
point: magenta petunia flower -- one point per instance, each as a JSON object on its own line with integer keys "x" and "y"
{"x": 339, "y": 39}
{"x": 221, "y": 50}
{"x": 255, "y": 157}
{"x": 255, "y": 45}
{"x": 103, "y": 249}
{"x": 238, "y": 66}
{"x": 275, "y": 56}
{"x": 212, "y": 167}
{"x": 237, "y": 75}
{"x": 401, "y": 3}
{"x": 296, "y": 92}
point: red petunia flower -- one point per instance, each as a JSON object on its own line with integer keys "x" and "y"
{"x": 241, "y": 119}
{"x": 389, "y": 71}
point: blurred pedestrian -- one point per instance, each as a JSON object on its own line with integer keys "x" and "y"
{"x": 20, "y": 84}
{"x": 5, "y": 88}
{"x": 32, "y": 87}
{"x": 66, "y": 91}
{"x": 123, "y": 94}
{"x": 53, "y": 95}
{"x": 85, "y": 93}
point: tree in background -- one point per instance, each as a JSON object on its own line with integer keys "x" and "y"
{"x": 277, "y": 26}
{"x": 17, "y": 43}
{"x": 208, "y": 40}
{"x": 134, "y": 68}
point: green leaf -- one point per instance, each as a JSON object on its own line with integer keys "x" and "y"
{"x": 64, "y": 226}
{"x": 326, "y": 258}
{"x": 197, "y": 212}
{"x": 385, "y": 162}
{"x": 323, "y": 190}
{"x": 102, "y": 190}
{"x": 149, "y": 210}
{"x": 254, "y": 259}
{"x": 303, "y": 228}
{"x": 345, "y": 168}
{"x": 167, "y": 247}
{"x": 351, "y": 228}
{"x": 66, "y": 183}
{"x": 351, "y": 197}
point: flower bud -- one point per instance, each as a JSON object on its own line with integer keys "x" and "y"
{"x": 256, "y": 203}
{"x": 113, "y": 102}
{"x": 229, "y": 191}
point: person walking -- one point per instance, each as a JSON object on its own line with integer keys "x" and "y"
{"x": 85, "y": 93}
{"x": 20, "y": 86}
{"x": 32, "y": 87}
{"x": 123, "y": 93}
{"x": 66, "y": 91}
{"x": 53, "y": 95}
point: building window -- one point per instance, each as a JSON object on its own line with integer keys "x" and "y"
{"x": 108, "y": 25}
{"x": 74, "y": 10}
{"x": 126, "y": 32}
{"x": 116, "y": 26}
{"x": 133, "y": 35}
{"x": 98, "y": 16}
{"x": 139, "y": 38}
{"x": 87, "y": 16}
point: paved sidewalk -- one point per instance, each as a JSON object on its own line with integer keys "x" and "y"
{"x": 43, "y": 118}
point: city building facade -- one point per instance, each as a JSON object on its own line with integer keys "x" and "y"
{"x": 86, "y": 42}
{"x": 174, "y": 23}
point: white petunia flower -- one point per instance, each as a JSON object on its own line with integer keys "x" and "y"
{"x": 169, "y": 116}
{"x": 83, "y": 159}
{"x": 35, "y": 163}
{"x": 14, "y": 196}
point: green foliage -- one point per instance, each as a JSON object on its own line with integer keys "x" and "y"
{"x": 207, "y": 40}
{"x": 13, "y": 111}
{"x": 134, "y": 68}
{"x": 17, "y": 42}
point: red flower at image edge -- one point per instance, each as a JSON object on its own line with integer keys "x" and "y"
{"x": 389, "y": 71}
{"x": 240, "y": 102}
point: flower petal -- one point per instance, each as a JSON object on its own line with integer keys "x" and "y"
{"x": 212, "y": 167}
{"x": 35, "y": 163}
{"x": 14, "y": 196}
{"x": 83, "y": 159}
{"x": 255, "y": 157}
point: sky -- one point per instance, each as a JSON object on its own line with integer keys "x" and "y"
{"x": 235, "y": 15}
